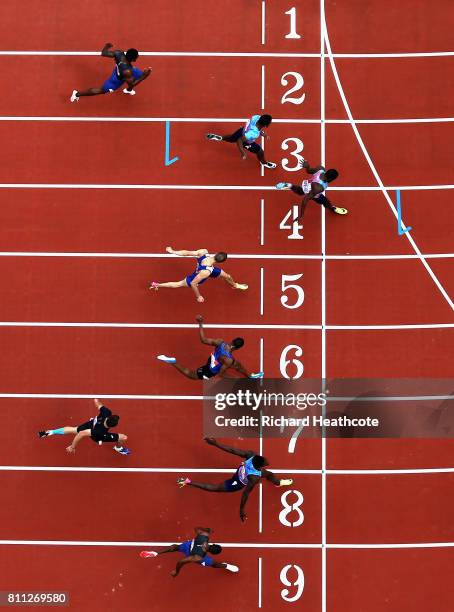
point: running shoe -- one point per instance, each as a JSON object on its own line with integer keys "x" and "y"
{"x": 154, "y": 286}
{"x": 166, "y": 359}
{"x": 182, "y": 482}
{"x": 270, "y": 165}
{"x": 232, "y": 568}
{"x": 285, "y": 483}
{"x": 74, "y": 97}
{"x": 122, "y": 450}
{"x": 213, "y": 137}
{"x": 130, "y": 92}
{"x": 43, "y": 434}
{"x": 241, "y": 287}
{"x": 257, "y": 375}
{"x": 146, "y": 554}
{"x": 283, "y": 186}
{"x": 340, "y": 211}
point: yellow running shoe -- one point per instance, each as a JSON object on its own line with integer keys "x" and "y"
{"x": 285, "y": 483}
{"x": 240, "y": 286}
{"x": 340, "y": 211}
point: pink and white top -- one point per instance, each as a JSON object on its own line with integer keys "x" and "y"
{"x": 307, "y": 183}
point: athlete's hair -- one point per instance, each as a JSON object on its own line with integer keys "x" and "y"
{"x": 132, "y": 55}
{"x": 220, "y": 257}
{"x": 112, "y": 420}
{"x": 265, "y": 120}
{"x": 258, "y": 461}
{"x": 331, "y": 175}
{"x": 237, "y": 343}
{"x": 214, "y": 549}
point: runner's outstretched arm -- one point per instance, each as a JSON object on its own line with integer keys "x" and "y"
{"x": 230, "y": 449}
{"x": 185, "y": 253}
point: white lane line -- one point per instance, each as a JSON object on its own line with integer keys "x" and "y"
{"x": 374, "y": 170}
{"x": 230, "y": 54}
{"x": 271, "y": 326}
{"x": 262, "y": 290}
{"x": 276, "y": 256}
{"x": 69, "y": 119}
{"x": 247, "y": 545}
{"x": 260, "y": 583}
{"x": 405, "y": 398}
{"x": 323, "y": 305}
{"x": 262, "y": 223}
{"x": 165, "y": 470}
{"x": 263, "y": 33}
{"x": 263, "y": 87}
{"x": 212, "y": 187}
{"x": 61, "y": 118}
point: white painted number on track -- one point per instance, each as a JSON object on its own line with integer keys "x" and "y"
{"x": 293, "y": 508}
{"x": 298, "y": 583}
{"x": 284, "y": 362}
{"x": 292, "y": 14}
{"x": 299, "y": 84}
{"x": 286, "y": 286}
{"x": 298, "y": 148}
{"x": 293, "y": 440}
{"x": 294, "y": 225}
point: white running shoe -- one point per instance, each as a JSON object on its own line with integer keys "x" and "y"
{"x": 166, "y": 359}
{"x": 129, "y": 92}
{"x": 74, "y": 97}
{"x": 241, "y": 287}
{"x": 232, "y": 568}
{"x": 213, "y": 137}
{"x": 270, "y": 165}
{"x": 147, "y": 554}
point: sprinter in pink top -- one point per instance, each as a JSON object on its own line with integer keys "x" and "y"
{"x": 314, "y": 188}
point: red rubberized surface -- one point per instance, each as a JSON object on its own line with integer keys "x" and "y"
{"x": 101, "y": 328}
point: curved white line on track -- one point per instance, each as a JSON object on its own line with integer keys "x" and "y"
{"x": 374, "y": 170}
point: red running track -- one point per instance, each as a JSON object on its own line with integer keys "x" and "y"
{"x": 98, "y": 249}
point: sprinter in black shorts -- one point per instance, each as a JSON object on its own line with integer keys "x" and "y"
{"x": 195, "y": 551}
{"x": 97, "y": 428}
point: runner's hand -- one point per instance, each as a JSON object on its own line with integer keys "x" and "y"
{"x": 70, "y": 449}
{"x": 169, "y": 249}
{"x": 243, "y": 516}
{"x": 147, "y": 71}
{"x": 199, "y": 319}
{"x": 200, "y": 299}
{"x": 211, "y": 441}
{"x": 108, "y": 45}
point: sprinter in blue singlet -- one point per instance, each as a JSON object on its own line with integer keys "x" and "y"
{"x": 123, "y": 73}
{"x": 194, "y": 551}
{"x": 244, "y": 479}
{"x": 220, "y": 360}
{"x": 205, "y": 268}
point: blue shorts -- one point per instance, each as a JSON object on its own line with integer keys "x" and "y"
{"x": 185, "y": 548}
{"x": 113, "y": 82}
{"x": 216, "y": 272}
{"x": 233, "y": 484}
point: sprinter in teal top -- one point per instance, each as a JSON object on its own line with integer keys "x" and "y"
{"x": 244, "y": 479}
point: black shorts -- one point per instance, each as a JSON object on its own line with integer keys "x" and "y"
{"x": 105, "y": 437}
{"x": 204, "y": 371}
{"x": 233, "y": 484}
{"x": 253, "y": 147}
